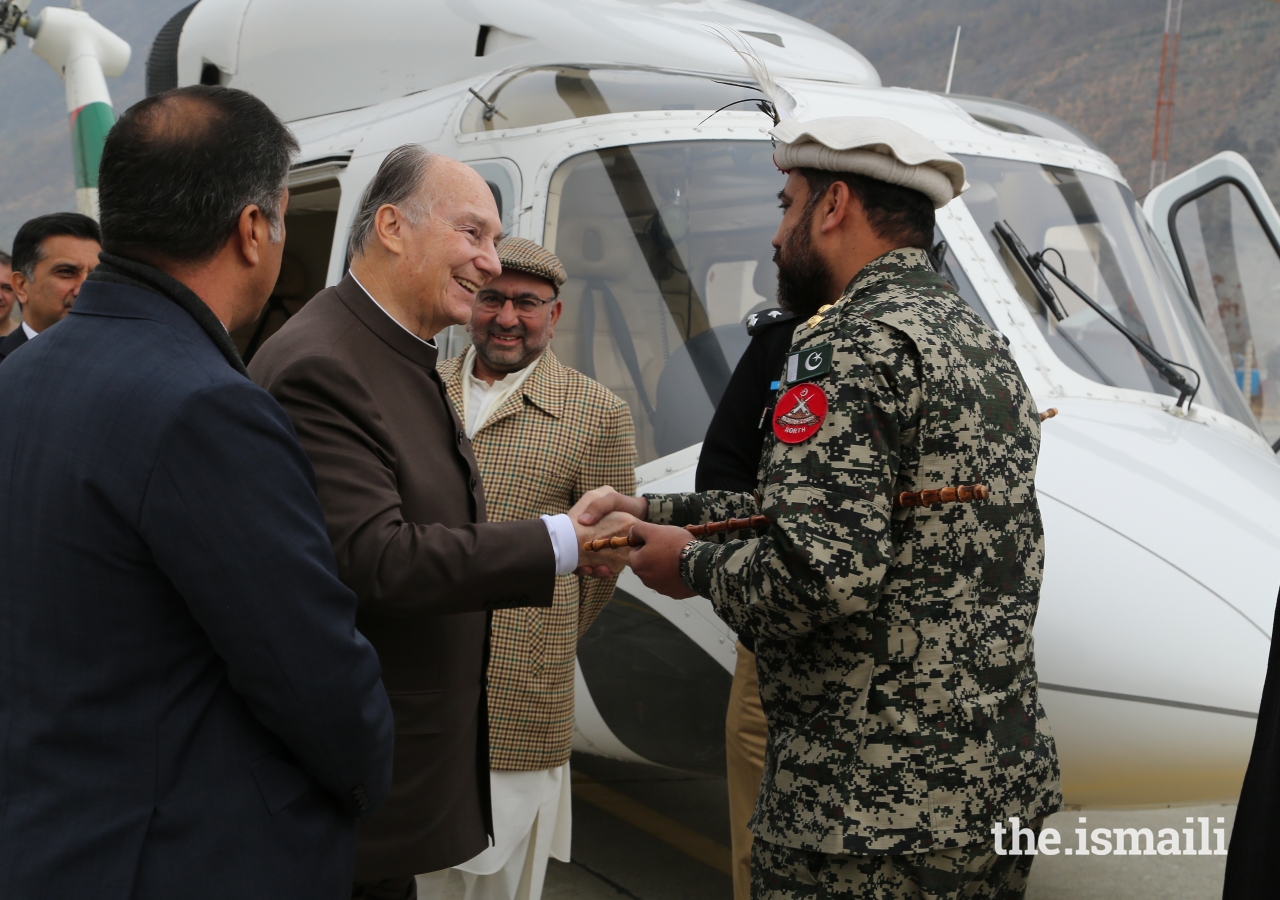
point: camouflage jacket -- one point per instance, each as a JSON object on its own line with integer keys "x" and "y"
{"x": 893, "y": 646}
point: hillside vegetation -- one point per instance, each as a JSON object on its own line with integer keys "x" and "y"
{"x": 1093, "y": 63}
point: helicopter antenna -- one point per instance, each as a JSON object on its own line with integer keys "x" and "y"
{"x": 952, "y": 70}
{"x": 1164, "y": 93}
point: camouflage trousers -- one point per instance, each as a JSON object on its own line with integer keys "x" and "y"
{"x": 973, "y": 872}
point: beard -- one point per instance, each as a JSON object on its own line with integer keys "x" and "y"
{"x": 804, "y": 278}
{"x": 512, "y": 358}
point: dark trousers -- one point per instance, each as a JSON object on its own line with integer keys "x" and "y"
{"x": 387, "y": 889}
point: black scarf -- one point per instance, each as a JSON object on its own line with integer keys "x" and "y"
{"x": 118, "y": 270}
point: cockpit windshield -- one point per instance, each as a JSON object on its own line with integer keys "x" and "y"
{"x": 667, "y": 247}
{"x": 557, "y": 93}
{"x": 1107, "y": 249}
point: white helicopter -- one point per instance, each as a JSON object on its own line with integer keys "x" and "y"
{"x": 592, "y": 122}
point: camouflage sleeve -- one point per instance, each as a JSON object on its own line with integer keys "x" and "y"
{"x": 695, "y": 509}
{"x": 828, "y": 551}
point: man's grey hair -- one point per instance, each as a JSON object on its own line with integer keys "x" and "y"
{"x": 398, "y": 183}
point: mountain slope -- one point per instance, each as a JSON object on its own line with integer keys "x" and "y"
{"x": 1093, "y": 63}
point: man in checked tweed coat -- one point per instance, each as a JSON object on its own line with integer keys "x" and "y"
{"x": 893, "y": 645}
{"x": 543, "y": 435}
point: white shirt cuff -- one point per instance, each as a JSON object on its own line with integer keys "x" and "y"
{"x": 564, "y": 541}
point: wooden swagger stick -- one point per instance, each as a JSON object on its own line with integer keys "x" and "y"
{"x": 963, "y": 493}
{"x": 1049, "y": 413}
{"x": 756, "y": 521}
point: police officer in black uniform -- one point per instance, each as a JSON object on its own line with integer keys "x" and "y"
{"x": 729, "y": 461}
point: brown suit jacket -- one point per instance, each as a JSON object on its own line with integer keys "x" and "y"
{"x": 401, "y": 494}
{"x": 562, "y": 434}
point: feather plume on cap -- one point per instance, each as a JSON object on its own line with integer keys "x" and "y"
{"x": 781, "y": 104}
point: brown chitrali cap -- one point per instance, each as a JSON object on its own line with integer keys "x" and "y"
{"x": 520, "y": 255}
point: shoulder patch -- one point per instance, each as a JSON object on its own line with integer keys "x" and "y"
{"x": 812, "y": 362}
{"x": 800, "y": 413}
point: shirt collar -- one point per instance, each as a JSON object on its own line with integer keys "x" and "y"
{"x": 431, "y": 343}
{"x": 889, "y": 267}
{"x": 522, "y": 382}
{"x": 30, "y": 332}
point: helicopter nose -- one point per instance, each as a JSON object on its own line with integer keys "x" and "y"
{"x": 1149, "y": 680}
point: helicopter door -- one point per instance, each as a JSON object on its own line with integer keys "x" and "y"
{"x": 1217, "y": 222}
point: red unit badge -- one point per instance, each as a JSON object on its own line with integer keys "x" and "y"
{"x": 800, "y": 413}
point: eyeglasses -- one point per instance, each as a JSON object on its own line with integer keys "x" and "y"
{"x": 526, "y": 306}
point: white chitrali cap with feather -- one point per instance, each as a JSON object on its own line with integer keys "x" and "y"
{"x": 877, "y": 148}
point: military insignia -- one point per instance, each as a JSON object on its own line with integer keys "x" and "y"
{"x": 809, "y": 363}
{"x": 761, "y": 321}
{"x": 815, "y": 319}
{"x": 800, "y": 413}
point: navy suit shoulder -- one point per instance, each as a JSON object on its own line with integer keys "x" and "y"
{"x": 12, "y": 341}
{"x": 186, "y": 708}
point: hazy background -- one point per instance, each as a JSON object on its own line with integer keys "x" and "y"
{"x": 1094, "y": 63}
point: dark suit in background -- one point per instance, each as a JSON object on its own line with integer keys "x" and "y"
{"x": 730, "y": 457}
{"x": 1253, "y": 871}
{"x": 401, "y": 491}
{"x": 12, "y": 341}
{"x": 730, "y": 461}
{"x": 186, "y": 709}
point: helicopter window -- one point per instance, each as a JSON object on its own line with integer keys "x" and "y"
{"x": 557, "y": 93}
{"x": 950, "y": 269}
{"x": 1014, "y": 118}
{"x": 1107, "y": 248}
{"x": 667, "y": 247}
{"x": 1231, "y": 261}
{"x": 503, "y": 178}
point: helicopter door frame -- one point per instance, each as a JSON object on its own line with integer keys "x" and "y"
{"x": 503, "y": 177}
{"x": 1163, "y": 207}
{"x": 1166, "y": 200}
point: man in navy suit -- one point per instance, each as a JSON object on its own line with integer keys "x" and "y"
{"x": 186, "y": 707}
{"x": 52, "y": 256}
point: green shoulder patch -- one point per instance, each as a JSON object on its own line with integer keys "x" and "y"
{"x": 810, "y": 363}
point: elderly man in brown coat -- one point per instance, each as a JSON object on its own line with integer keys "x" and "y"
{"x": 544, "y": 436}
{"x": 356, "y": 371}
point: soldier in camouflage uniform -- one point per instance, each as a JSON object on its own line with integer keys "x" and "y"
{"x": 893, "y": 646}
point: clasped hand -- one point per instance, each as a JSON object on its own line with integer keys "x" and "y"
{"x": 606, "y": 513}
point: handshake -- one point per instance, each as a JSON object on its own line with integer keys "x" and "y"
{"x": 605, "y": 513}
